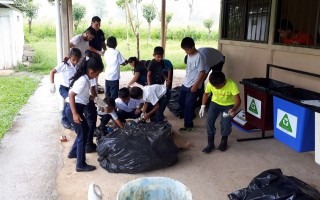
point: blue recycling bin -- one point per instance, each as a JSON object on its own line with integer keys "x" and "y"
{"x": 294, "y": 120}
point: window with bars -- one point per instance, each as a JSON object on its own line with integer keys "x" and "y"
{"x": 246, "y": 20}
{"x": 297, "y": 23}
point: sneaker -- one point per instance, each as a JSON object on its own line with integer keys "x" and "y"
{"x": 66, "y": 125}
{"x": 86, "y": 168}
{"x": 70, "y": 156}
{"x": 186, "y": 129}
{"x": 91, "y": 148}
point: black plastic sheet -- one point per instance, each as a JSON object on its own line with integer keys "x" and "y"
{"x": 137, "y": 148}
{"x": 173, "y": 103}
{"x": 273, "y": 185}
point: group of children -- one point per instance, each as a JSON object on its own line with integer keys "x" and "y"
{"x": 148, "y": 101}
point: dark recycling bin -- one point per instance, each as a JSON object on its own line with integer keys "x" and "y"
{"x": 294, "y": 118}
{"x": 259, "y": 102}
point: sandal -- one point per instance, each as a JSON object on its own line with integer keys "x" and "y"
{"x": 63, "y": 138}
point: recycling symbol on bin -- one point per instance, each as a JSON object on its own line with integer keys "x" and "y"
{"x": 285, "y": 123}
{"x": 253, "y": 107}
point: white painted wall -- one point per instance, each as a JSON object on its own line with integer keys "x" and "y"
{"x": 11, "y": 38}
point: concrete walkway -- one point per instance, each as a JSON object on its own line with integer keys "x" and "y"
{"x": 30, "y": 154}
{"x": 34, "y": 164}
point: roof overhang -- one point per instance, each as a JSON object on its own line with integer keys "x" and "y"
{"x": 8, "y": 4}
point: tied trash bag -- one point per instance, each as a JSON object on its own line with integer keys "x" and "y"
{"x": 273, "y": 185}
{"x": 173, "y": 103}
{"x": 137, "y": 148}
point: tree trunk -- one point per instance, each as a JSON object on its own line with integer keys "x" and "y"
{"x": 138, "y": 45}
{"x": 30, "y": 23}
{"x": 149, "y": 27}
{"x": 127, "y": 30}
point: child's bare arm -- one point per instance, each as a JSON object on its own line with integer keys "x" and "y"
{"x": 52, "y": 72}
{"x": 119, "y": 123}
{"x": 149, "y": 77}
{"x": 154, "y": 109}
{"x": 205, "y": 98}
{"x": 76, "y": 117}
{"x": 198, "y": 81}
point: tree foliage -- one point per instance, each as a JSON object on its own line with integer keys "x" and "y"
{"x": 149, "y": 12}
{"x": 78, "y": 13}
{"x": 208, "y": 23}
{"x": 133, "y": 20}
{"x": 31, "y": 13}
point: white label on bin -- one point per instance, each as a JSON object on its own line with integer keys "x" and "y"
{"x": 254, "y": 106}
{"x": 287, "y": 123}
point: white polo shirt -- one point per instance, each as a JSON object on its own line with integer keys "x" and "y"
{"x": 152, "y": 93}
{"x": 113, "y": 60}
{"x": 80, "y": 43}
{"x": 113, "y": 114}
{"x": 82, "y": 88}
{"x": 67, "y": 71}
{"x": 131, "y": 106}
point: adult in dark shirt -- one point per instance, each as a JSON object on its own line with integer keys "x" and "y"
{"x": 97, "y": 45}
{"x": 139, "y": 71}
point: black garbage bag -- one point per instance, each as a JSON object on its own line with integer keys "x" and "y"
{"x": 173, "y": 103}
{"x": 137, "y": 148}
{"x": 272, "y": 184}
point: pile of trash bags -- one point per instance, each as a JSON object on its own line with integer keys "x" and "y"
{"x": 273, "y": 185}
{"x": 137, "y": 148}
{"x": 173, "y": 104}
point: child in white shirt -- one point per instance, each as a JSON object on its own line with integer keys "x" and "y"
{"x": 154, "y": 98}
{"x": 113, "y": 60}
{"x": 77, "y": 100}
{"x": 67, "y": 69}
{"x": 128, "y": 108}
{"x": 107, "y": 112}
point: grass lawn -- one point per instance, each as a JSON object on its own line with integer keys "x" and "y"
{"x": 45, "y": 58}
{"x": 15, "y": 92}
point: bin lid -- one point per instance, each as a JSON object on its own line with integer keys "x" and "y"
{"x": 265, "y": 84}
{"x": 300, "y": 96}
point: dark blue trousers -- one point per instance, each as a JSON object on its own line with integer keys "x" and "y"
{"x": 78, "y": 147}
{"x": 187, "y": 101}
{"x": 64, "y": 92}
{"x": 158, "y": 115}
{"x": 90, "y": 112}
{"x": 112, "y": 88}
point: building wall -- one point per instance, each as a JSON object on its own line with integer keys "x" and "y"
{"x": 12, "y": 38}
{"x": 249, "y": 60}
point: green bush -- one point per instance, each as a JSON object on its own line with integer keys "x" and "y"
{"x": 119, "y": 31}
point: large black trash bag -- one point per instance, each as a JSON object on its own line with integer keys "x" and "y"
{"x": 273, "y": 185}
{"x": 173, "y": 103}
{"x": 137, "y": 148}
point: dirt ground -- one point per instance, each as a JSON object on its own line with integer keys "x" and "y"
{"x": 210, "y": 176}
{"x": 34, "y": 164}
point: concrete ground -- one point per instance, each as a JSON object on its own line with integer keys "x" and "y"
{"x": 34, "y": 164}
